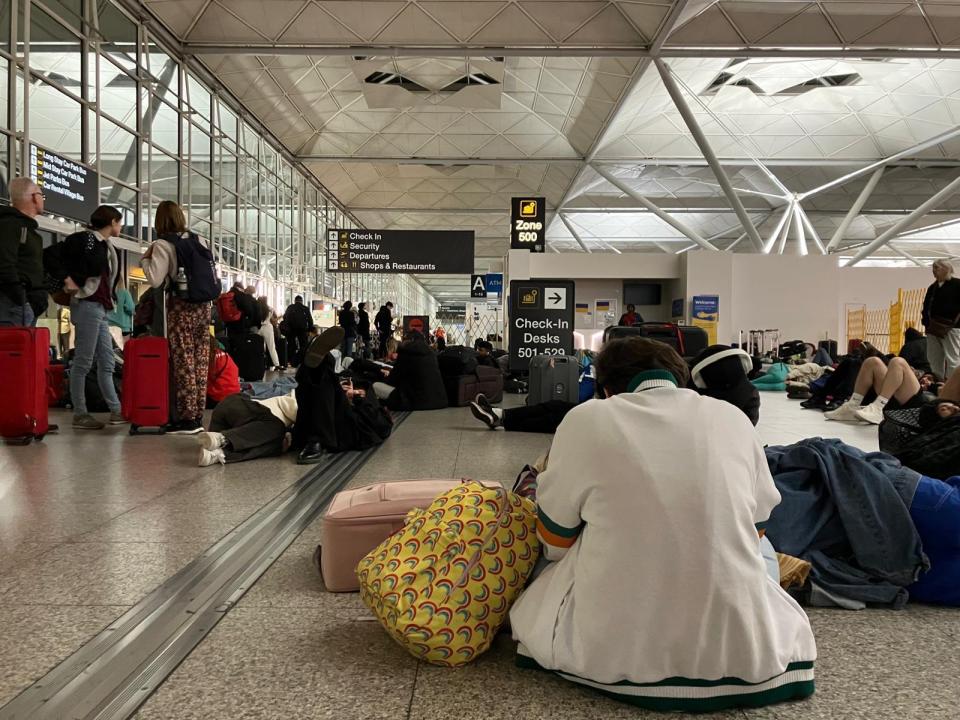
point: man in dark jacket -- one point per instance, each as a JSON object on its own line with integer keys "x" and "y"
{"x": 415, "y": 383}
{"x": 331, "y": 418}
{"x": 363, "y": 327}
{"x": 22, "y": 294}
{"x": 348, "y": 321}
{"x": 941, "y": 318}
{"x": 298, "y": 322}
{"x": 384, "y": 324}
{"x": 249, "y": 311}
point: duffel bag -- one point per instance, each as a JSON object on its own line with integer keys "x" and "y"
{"x": 443, "y": 585}
{"x": 457, "y": 360}
{"x": 933, "y": 451}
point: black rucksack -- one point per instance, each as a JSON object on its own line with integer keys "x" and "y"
{"x": 203, "y": 283}
{"x": 457, "y": 360}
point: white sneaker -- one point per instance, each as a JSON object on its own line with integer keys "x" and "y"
{"x": 211, "y": 457}
{"x": 845, "y": 413}
{"x": 211, "y": 440}
{"x": 872, "y": 413}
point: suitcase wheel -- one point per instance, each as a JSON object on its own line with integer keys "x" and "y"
{"x": 40, "y": 437}
{"x": 134, "y": 429}
{"x": 22, "y": 440}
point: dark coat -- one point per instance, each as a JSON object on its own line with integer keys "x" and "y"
{"x": 348, "y": 321}
{"x": 915, "y": 353}
{"x": 249, "y": 308}
{"x": 298, "y": 318}
{"x": 363, "y": 325}
{"x": 417, "y": 379}
{"x": 726, "y": 379}
{"x": 21, "y": 263}
{"x": 326, "y": 415}
{"x": 84, "y": 256}
{"x": 942, "y": 302}
{"x": 383, "y": 321}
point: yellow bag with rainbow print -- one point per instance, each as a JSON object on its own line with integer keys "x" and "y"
{"x": 443, "y": 585}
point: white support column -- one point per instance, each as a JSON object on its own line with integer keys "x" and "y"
{"x": 941, "y": 138}
{"x": 908, "y": 221}
{"x": 681, "y": 104}
{"x": 576, "y": 235}
{"x": 855, "y": 210}
{"x": 798, "y": 232}
{"x": 736, "y": 242}
{"x": 667, "y": 218}
{"x": 904, "y": 254}
{"x": 772, "y": 240}
{"x": 785, "y": 232}
{"x": 811, "y": 230}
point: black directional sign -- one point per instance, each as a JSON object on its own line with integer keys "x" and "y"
{"x": 400, "y": 251}
{"x": 69, "y": 188}
{"x": 528, "y": 228}
{"x": 541, "y": 320}
{"x": 478, "y": 286}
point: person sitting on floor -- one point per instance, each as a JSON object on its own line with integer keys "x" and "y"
{"x": 543, "y": 417}
{"x": 242, "y": 428}
{"x": 485, "y": 354}
{"x": 657, "y": 593}
{"x": 914, "y": 350}
{"x": 223, "y": 377}
{"x": 332, "y": 415}
{"x": 721, "y": 372}
{"x": 415, "y": 382}
{"x": 896, "y": 386}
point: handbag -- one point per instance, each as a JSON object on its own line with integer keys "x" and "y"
{"x": 940, "y": 327}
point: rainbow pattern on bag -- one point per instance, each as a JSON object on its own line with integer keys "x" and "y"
{"x": 443, "y": 585}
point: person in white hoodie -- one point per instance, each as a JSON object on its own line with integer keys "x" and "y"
{"x": 243, "y": 428}
{"x": 651, "y": 511}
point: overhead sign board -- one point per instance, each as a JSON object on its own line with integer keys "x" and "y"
{"x": 449, "y": 252}
{"x": 541, "y": 320}
{"x": 495, "y": 283}
{"x": 478, "y": 286}
{"x": 69, "y": 188}
{"x": 528, "y": 226}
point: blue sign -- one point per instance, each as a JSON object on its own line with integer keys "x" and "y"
{"x": 706, "y": 307}
{"x": 495, "y": 283}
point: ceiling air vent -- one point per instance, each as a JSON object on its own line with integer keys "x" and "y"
{"x": 388, "y": 78}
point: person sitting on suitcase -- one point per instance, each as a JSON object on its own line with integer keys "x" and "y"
{"x": 721, "y": 372}
{"x": 630, "y": 318}
{"x": 657, "y": 593}
{"x": 485, "y": 354}
{"x": 332, "y": 415}
{"x": 415, "y": 382}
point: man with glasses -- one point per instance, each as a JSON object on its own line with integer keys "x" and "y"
{"x": 22, "y": 293}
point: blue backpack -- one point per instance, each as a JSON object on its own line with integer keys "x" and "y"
{"x": 203, "y": 283}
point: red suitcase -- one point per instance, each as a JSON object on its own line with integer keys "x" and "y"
{"x": 24, "y": 358}
{"x": 56, "y": 385}
{"x": 145, "y": 394}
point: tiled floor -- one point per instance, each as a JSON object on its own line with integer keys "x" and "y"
{"x": 89, "y": 524}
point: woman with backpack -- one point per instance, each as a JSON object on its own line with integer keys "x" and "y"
{"x": 181, "y": 264}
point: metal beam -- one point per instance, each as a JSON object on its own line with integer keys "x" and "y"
{"x": 627, "y": 210}
{"x": 691, "y": 122}
{"x": 551, "y": 50}
{"x": 444, "y": 161}
{"x": 798, "y": 232}
{"x": 856, "y": 208}
{"x": 772, "y": 240}
{"x": 811, "y": 230}
{"x": 905, "y": 254}
{"x": 926, "y": 144}
{"x": 573, "y": 232}
{"x": 730, "y": 161}
{"x": 669, "y": 219}
{"x": 907, "y": 221}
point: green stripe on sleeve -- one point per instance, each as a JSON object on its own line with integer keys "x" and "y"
{"x": 556, "y": 528}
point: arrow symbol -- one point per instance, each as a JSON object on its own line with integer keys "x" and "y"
{"x": 555, "y": 298}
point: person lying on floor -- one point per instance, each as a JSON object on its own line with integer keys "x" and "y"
{"x": 895, "y": 384}
{"x": 242, "y": 428}
{"x": 332, "y": 415}
{"x": 543, "y": 417}
{"x": 415, "y": 382}
{"x": 373, "y": 371}
{"x": 657, "y": 593}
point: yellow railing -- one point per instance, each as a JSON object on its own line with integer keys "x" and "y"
{"x": 884, "y": 328}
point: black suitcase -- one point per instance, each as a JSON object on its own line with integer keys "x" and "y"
{"x": 457, "y": 360}
{"x": 831, "y": 347}
{"x": 695, "y": 340}
{"x": 667, "y": 333}
{"x": 247, "y": 352}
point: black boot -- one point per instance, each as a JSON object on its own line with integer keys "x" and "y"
{"x": 311, "y": 454}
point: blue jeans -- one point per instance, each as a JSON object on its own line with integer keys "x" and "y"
{"x": 16, "y": 315}
{"x": 92, "y": 340}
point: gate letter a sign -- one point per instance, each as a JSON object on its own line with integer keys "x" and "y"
{"x": 478, "y": 286}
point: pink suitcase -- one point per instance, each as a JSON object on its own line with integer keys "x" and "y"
{"x": 358, "y": 520}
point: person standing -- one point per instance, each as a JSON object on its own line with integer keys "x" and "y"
{"x": 630, "y": 318}
{"x": 22, "y": 294}
{"x": 93, "y": 273}
{"x": 63, "y": 331}
{"x": 348, "y": 321}
{"x": 121, "y": 317}
{"x": 363, "y": 327}
{"x": 266, "y": 331}
{"x": 941, "y": 318}
{"x": 298, "y": 322}
{"x": 384, "y": 324}
{"x": 188, "y": 318}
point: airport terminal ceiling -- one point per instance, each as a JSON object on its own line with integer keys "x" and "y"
{"x": 434, "y": 114}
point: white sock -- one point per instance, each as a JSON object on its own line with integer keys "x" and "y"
{"x": 856, "y": 399}
{"x": 498, "y": 412}
{"x": 881, "y": 401}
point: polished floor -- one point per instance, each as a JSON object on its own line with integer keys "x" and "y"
{"x": 90, "y": 523}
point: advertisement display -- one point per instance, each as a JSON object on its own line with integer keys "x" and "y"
{"x": 416, "y": 323}
{"x": 706, "y": 314}
{"x": 69, "y": 188}
{"x": 528, "y": 224}
{"x": 541, "y": 320}
{"x": 425, "y": 252}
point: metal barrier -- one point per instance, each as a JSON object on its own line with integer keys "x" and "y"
{"x": 884, "y": 329}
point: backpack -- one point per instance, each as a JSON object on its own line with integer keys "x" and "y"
{"x": 457, "y": 360}
{"x": 227, "y": 308}
{"x": 196, "y": 260}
